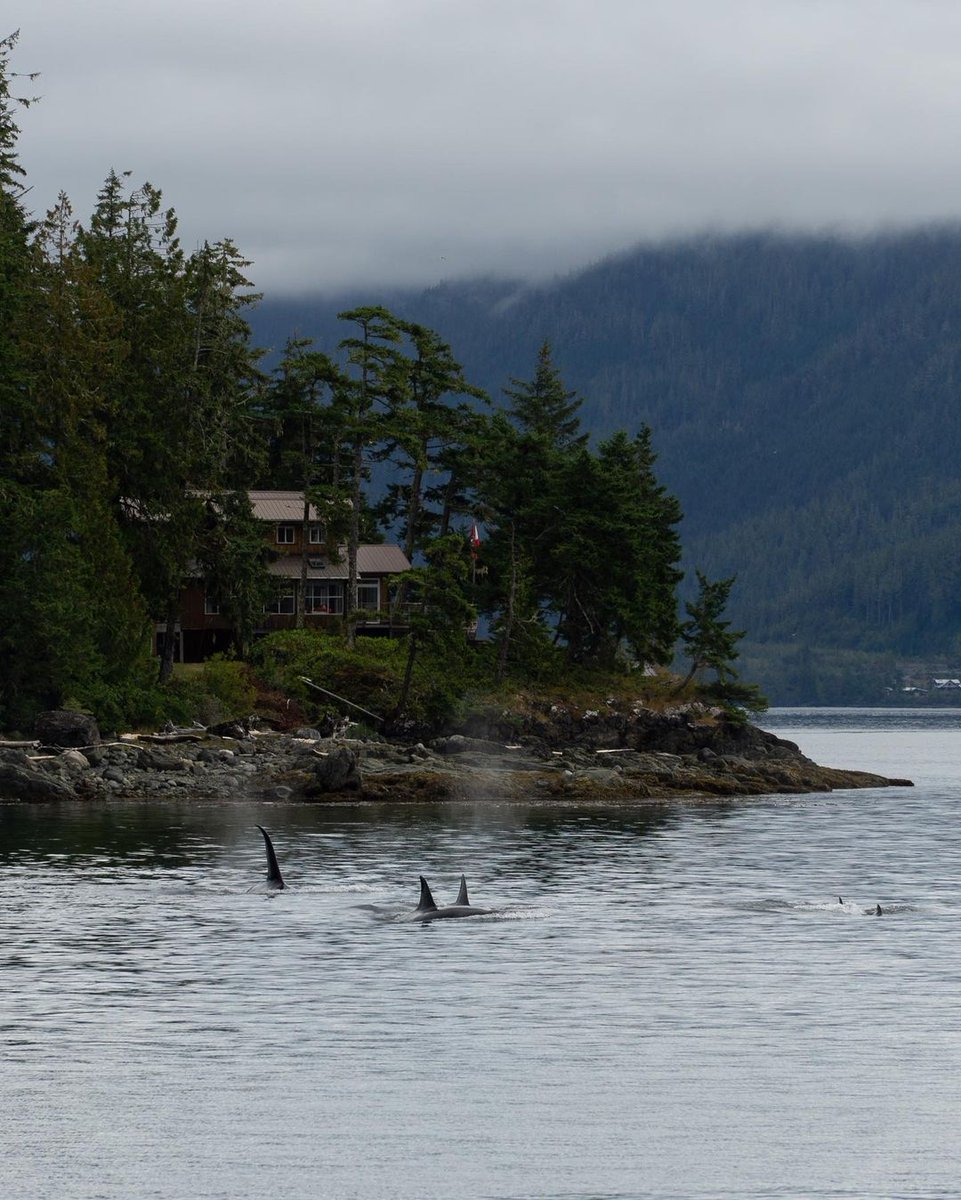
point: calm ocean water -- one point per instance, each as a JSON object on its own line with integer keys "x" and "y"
{"x": 668, "y": 1003}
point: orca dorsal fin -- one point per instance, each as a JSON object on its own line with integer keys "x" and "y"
{"x": 462, "y": 900}
{"x": 426, "y": 903}
{"x": 879, "y": 911}
{"x": 274, "y": 877}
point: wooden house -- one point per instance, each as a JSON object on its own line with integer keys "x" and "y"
{"x": 203, "y": 629}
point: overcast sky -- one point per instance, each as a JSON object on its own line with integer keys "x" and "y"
{"x": 344, "y": 142}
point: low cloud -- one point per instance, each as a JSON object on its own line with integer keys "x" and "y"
{"x": 407, "y": 142}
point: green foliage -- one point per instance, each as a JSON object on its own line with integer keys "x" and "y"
{"x": 439, "y": 622}
{"x": 71, "y": 620}
{"x": 230, "y": 682}
{"x": 535, "y": 656}
{"x": 582, "y": 543}
{"x": 368, "y": 675}
{"x": 133, "y": 703}
{"x": 179, "y": 407}
{"x": 544, "y": 409}
{"x": 426, "y": 437}
{"x": 616, "y": 554}
{"x": 371, "y": 674}
{"x": 711, "y": 644}
{"x": 233, "y": 557}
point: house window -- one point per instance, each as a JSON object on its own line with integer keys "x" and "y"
{"x": 286, "y": 535}
{"x": 211, "y": 604}
{"x": 368, "y": 595}
{"x": 316, "y": 535}
{"x": 282, "y": 604}
{"x": 324, "y": 597}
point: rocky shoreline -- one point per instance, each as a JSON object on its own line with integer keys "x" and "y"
{"x": 545, "y": 752}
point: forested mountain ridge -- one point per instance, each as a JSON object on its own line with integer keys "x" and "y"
{"x": 803, "y": 397}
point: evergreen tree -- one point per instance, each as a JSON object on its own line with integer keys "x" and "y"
{"x": 377, "y": 373}
{"x": 233, "y": 557}
{"x": 423, "y": 431}
{"x": 18, "y": 433}
{"x": 616, "y": 556}
{"x": 307, "y": 448}
{"x": 181, "y": 412}
{"x": 543, "y": 408}
{"x": 439, "y": 625}
{"x": 524, "y": 478}
{"x": 71, "y": 625}
{"x": 711, "y": 644}
{"x": 224, "y": 378}
{"x": 648, "y": 575}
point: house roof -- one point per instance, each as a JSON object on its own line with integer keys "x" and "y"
{"x": 289, "y": 568}
{"x": 280, "y": 506}
{"x": 371, "y": 560}
{"x": 381, "y": 560}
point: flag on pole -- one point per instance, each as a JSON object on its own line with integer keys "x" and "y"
{"x": 474, "y": 539}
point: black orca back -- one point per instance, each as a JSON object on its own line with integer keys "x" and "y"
{"x": 426, "y": 903}
{"x": 274, "y": 877}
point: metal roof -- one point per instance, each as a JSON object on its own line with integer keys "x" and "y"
{"x": 289, "y": 568}
{"x": 381, "y": 560}
{"x": 371, "y": 560}
{"x": 280, "y": 506}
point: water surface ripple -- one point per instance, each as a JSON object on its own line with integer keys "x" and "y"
{"x": 667, "y": 1003}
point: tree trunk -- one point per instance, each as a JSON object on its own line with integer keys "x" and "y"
{"x": 401, "y": 705}
{"x": 353, "y": 542}
{"x": 509, "y": 615}
{"x": 170, "y": 634}
{"x": 413, "y": 512}
{"x": 301, "y": 605}
{"x": 450, "y": 491}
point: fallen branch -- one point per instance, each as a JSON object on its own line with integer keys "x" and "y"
{"x": 341, "y": 700}
{"x": 163, "y": 737}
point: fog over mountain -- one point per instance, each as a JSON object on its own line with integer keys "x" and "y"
{"x": 427, "y": 141}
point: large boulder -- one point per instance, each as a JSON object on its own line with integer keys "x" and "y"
{"x": 60, "y": 727}
{"x": 158, "y": 760}
{"x": 23, "y": 783}
{"x": 337, "y": 771}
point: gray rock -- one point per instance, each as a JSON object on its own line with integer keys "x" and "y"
{"x": 73, "y": 762}
{"x": 158, "y": 760}
{"x": 337, "y": 772}
{"x": 230, "y": 729}
{"x": 23, "y": 783}
{"x": 455, "y": 744}
{"x": 61, "y": 727}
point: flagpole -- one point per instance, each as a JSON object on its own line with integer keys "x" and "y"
{"x": 474, "y": 543}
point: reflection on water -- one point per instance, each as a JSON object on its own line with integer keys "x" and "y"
{"x": 671, "y": 1002}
